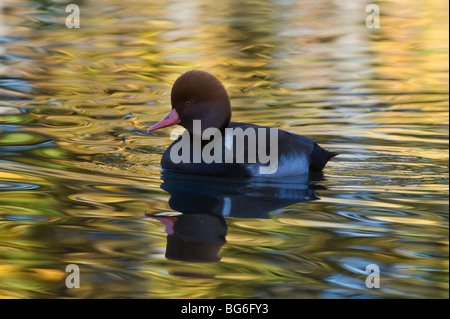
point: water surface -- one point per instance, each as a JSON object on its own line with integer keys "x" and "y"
{"x": 80, "y": 181}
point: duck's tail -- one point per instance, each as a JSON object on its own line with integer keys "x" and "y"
{"x": 320, "y": 158}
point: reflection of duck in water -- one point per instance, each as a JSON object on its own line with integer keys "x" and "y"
{"x": 199, "y": 233}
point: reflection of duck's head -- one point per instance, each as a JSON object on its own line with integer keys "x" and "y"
{"x": 194, "y": 237}
{"x": 233, "y": 197}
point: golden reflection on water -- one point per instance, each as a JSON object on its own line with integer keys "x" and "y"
{"x": 78, "y": 172}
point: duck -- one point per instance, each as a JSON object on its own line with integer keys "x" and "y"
{"x": 200, "y": 104}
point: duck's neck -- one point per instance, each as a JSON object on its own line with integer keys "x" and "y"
{"x": 206, "y": 141}
{"x": 225, "y": 125}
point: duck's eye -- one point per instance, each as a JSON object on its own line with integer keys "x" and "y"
{"x": 187, "y": 103}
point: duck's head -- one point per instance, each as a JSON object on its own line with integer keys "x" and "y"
{"x": 197, "y": 95}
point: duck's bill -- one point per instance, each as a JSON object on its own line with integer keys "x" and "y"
{"x": 170, "y": 119}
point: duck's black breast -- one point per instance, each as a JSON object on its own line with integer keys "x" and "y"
{"x": 202, "y": 168}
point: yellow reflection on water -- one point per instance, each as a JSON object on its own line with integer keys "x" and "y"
{"x": 78, "y": 172}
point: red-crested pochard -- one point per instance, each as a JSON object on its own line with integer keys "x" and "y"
{"x": 197, "y": 95}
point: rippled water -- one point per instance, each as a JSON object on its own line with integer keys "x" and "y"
{"x": 80, "y": 181}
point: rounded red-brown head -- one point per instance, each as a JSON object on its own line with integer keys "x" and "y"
{"x": 197, "y": 95}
